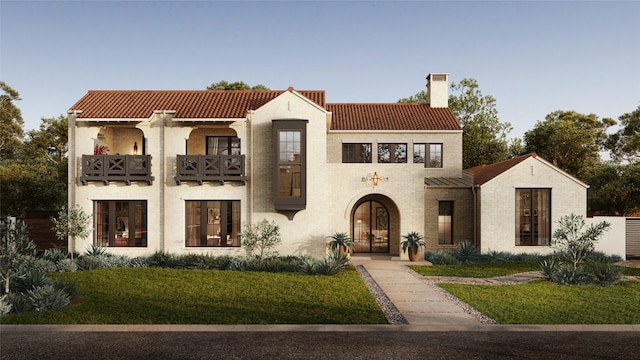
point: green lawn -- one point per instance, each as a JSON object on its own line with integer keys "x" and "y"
{"x": 169, "y": 296}
{"x": 481, "y": 270}
{"x": 543, "y": 302}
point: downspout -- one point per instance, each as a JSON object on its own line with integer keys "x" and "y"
{"x": 250, "y": 185}
{"x": 71, "y": 168}
{"x": 475, "y": 215}
{"x": 161, "y": 178}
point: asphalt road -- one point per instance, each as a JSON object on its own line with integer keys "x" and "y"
{"x": 370, "y": 345}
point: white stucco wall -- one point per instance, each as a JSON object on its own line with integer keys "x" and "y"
{"x": 307, "y": 232}
{"x": 405, "y": 181}
{"x": 497, "y": 204}
{"x": 613, "y": 241}
{"x": 333, "y": 188}
{"x": 86, "y": 135}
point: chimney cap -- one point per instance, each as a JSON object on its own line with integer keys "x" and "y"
{"x": 438, "y": 76}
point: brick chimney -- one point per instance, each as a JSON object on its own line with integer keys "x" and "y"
{"x": 438, "y": 90}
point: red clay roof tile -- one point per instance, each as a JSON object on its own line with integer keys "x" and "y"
{"x": 393, "y": 116}
{"x": 187, "y": 104}
{"x": 234, "y": 104}
{"x": 484, "y": 173}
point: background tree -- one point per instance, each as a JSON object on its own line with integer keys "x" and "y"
{"x": 10, "y": 121}
{"x": 419, "y": 98}
{"x": 484, "y": 139}
{"x": 35, "y": 176}
{"x": 484, "y": 136}
{"x": 570, "y": 140}
{"x": 614, "y": 189}
{"x": 238, "y": 85}
{"x": 625, "y": 144}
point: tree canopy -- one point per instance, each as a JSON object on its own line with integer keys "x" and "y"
{"x": 625, "y": 143}
{"x": 484, "y": 138}
{"x": 572, "y": 141}
{"x": 35, "y": 176}
{"x": 238, "y": 85}
{"x": 614, "y": 189}
{"x": 10, "y": 120}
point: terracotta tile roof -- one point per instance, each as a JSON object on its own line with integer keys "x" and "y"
{"x": 393, "y": 116}
{"x": 225, "y": 104}
{"x": 189, "y": 104}
{"x": 484, "y": 173}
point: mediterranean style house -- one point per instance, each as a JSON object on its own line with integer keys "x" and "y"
{"x": 186, "y": 171}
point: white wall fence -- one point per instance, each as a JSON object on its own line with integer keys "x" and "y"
{"x": 614, "y": 240}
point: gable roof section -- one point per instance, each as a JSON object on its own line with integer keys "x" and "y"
{"x": 394, "y": 116}
{"x": 187, "y": 104}
{"x": 485, "y": 173}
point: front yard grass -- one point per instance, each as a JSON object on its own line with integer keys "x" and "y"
{"x": 543, "y": 302}
{"x": 480, "y": 270}
{"x": 169, "y": 296}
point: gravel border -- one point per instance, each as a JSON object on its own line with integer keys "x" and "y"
{"x": 394, "y": 317}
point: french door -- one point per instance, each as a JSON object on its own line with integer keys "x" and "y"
{"x": 370, "y": 231}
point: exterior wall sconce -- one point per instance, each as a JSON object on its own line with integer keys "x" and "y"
{"x": 374, "y": 179}
{"x": 135, "y": 148}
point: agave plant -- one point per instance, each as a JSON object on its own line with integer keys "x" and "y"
{"x": 341, "y": 242}
{"x": 412, "y": 242}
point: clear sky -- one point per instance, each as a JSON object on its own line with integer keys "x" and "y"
{"x": 533, "y": 57}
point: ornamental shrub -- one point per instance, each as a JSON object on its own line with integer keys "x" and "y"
{"x": 569, "y": 275}
{"x": 261, "y": 238}
{"x": 441, "y": 258}
{"x": 48, "y": 298}
{"x": 605, "y": 273}
{"x": 548, "y": 267}
{"x": 467, "y": 253}
{"x": 66, "y": 265}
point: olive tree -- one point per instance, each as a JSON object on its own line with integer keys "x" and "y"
{"x": 261, "y": 238}
{"x": 71, "y": 223}
{"x": 573, "y": 242}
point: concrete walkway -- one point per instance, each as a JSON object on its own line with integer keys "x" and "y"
{"x": 419, "y": 302}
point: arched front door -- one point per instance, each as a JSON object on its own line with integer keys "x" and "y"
{"x": 370, "y": 221}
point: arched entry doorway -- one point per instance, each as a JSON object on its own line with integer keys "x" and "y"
{"x": 374, "y": 220}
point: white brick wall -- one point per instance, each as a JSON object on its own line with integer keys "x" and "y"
{"x": 497, "y": 206}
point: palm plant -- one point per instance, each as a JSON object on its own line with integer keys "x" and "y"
{"x": 341, "y": 242}
{"x": 412, "y": 242}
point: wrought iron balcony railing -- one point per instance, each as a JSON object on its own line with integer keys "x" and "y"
{"x": 108, "y": 168}
{"x": 202, "y": 168}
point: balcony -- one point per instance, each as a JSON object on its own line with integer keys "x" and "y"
{"x": 108, "y": 168}
{"x": 203, "y": 168}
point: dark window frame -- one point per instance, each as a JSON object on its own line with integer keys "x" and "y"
{"x": 428, "y": 154}
{"x": 233, "y": 145}
{"x": 289, "y": 204}
{"x": 223, "y": 218}
{"x": 110, "y": 232}
{"x": 445, "y": 213}
{"x": 357, "y": 153}
{"x": 533, "y": 207}
{"x": 393, "y": 150}
{"x": 419, "y": 156}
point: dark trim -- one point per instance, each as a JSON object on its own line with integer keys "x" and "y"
{"x": 203, "y": 168}
{"x": 290, "y": 205}
{"x": 108, "y": 168}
